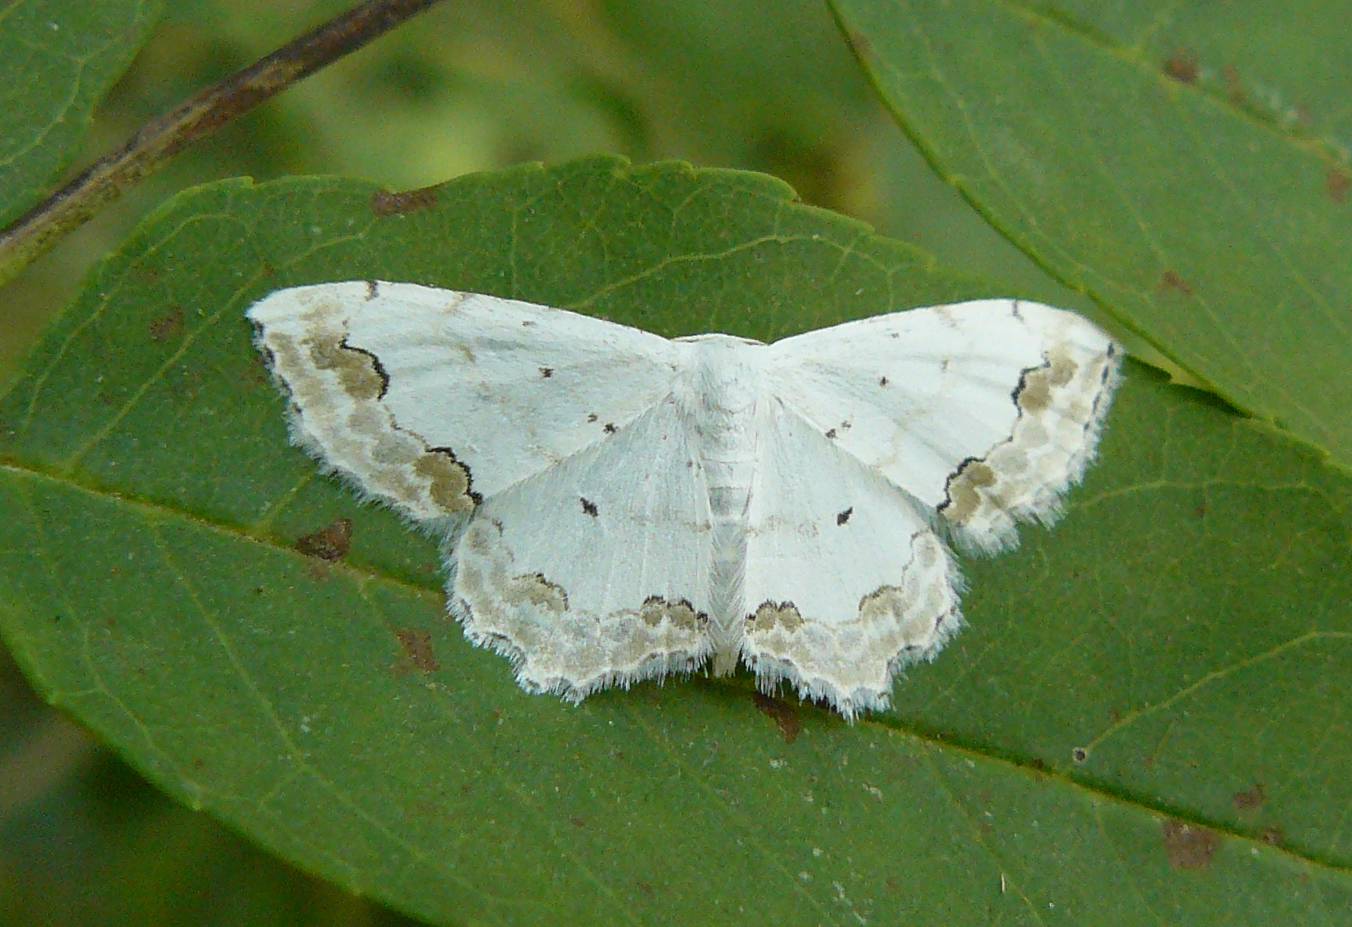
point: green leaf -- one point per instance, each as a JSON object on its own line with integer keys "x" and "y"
{"x": 57, "y": 60}
{"x": 84, "y": 840}
{"x": 1217, "y": 231}
{"x": 1139, "y": 725}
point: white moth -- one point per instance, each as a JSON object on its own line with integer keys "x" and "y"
{"x": 618, "y": 506}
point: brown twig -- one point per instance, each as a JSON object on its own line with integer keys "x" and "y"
{"x": 162, "y": 138}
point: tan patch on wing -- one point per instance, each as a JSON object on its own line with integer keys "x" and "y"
{"x": 449, "y": 479}
{"x": 775, "y": 614}
{"x": 963, "y": 489}
{"x": 559, "y": 645}
{"x": 532, "y": 589}
{"x": 337, "y": 413}
{"x": 1061, "y": 405}
{"x": 851, "y": 661}
{"x": 359, "y": 372}
{"x": 681, "y": 613}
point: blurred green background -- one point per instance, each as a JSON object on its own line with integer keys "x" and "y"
{"x": 766, "y": 85}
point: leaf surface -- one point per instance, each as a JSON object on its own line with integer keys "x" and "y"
{"x": 1127, "y": 150}
{"x": 57, "y": 60}
{"x": 1141, "y": 723}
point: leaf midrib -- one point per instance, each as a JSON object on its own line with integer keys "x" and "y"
{"x": 1034, "y": 769}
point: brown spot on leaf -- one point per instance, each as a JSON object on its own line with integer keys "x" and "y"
{"x": 1189, "y": 846}
{"x": 1250, "y": 799}
{"x": 1182, "y": 66}
{"x": 385, "y": 203}
{"x": 417, "y": 646}
{"x": 167, "y": 326}
{"x": 1170, "y": 280}
{"x": 1337, "y": 183}
{"x": 1273, "y": 836}
{"x": 191, "y": 383}
{"x": 329, "y": 543}
{"x": 784, "y": 715}
{"x": 860, "y": 43}
{"x": 258, "y": 371}
{"x": 1234, "y": 88}
{"x": 577, "y": 821}
{"x": 427, "y": 810}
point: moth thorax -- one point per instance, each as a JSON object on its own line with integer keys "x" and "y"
{"x": 725, "y": 378}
